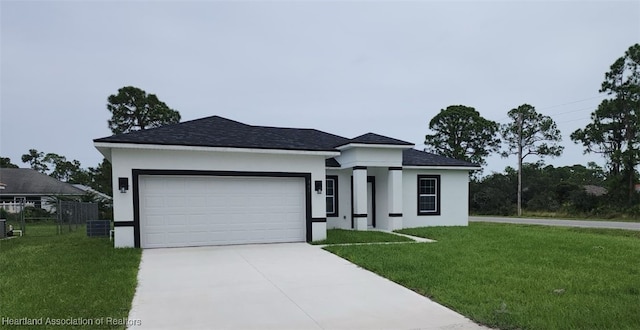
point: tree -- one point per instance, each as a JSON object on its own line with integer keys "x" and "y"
{"x": 36, "y": 161}
{"x": 100, "y": 178}
{"x": 133, "y": 109}
{"x": 492, "y": 195}
{"x": 64, "y": 170}
{"x": 462, "y": 133}
{"x": 530, "y": 133}
{"x": 5, "y": 162}
{"x": 614, "y": 130}
{"x": 56, "y": 166}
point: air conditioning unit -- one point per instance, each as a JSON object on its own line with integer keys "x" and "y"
{"x": 98, "y": 228}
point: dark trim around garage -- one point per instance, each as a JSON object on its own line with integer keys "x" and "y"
{"x": 136, "y": 173}
{"x": 395, "y": 215}
{"x": 123, "y": 223}
{"x": 395, "y": 168}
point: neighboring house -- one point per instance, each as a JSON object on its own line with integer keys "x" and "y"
{"x": 595, "y": 190}
{"x": 214, "y": 181}
{"x": 101, "y": 197}
{"x": 33, "y": 187}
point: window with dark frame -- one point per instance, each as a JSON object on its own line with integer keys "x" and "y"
{"x": 331, "y": 191}
{"x": 428, "y": 195}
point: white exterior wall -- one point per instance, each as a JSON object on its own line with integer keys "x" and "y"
{"x": 318, "y": 231}
{"x": 454, "y": 205}
{"x": 123, "y": 237}
{"x": 360, "y": 200}
{"x": 125, "y": 160}
{"x": 370, "y": 156}
{"x": 394, "y": 197}
{"x": 454, "y": 199}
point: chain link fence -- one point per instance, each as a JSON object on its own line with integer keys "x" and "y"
{"x": 73, "y": 215}
{"x": 59, "y": 217}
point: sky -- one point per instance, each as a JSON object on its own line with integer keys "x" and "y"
{"x": 344, "y": 67}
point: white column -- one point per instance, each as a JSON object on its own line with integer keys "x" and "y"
{"x": 360, "y": 198}
{"x": 395, "y": 198}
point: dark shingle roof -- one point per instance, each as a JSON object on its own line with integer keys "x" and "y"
{"x": 413, "y": 157}
{"x": 28, "y": 182}
{"x": 372, "y": 138}
{"x": 216, "y": 131}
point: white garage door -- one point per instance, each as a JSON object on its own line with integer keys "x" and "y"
{"x": 194, "y": 211}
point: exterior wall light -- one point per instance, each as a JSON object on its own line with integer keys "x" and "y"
{"x": 319, "y": 187}
{"x": 123, "y": 184}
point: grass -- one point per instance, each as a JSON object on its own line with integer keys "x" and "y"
{"x": 66, "y": 277}
{"x": 342, "y": 236}
{"x": 518, "y": 277}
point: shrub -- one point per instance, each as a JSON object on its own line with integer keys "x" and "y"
{"x": 34, "y": 212}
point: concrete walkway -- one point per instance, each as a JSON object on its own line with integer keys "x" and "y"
{"x": 274, "y": 286}
{"x": 414, "y": 238}
{"x": 561, "y": 222}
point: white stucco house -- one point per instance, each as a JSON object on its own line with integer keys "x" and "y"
{"x": 215, "y": 181}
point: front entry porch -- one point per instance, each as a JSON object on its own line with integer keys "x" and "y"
{"x": 370, "y": 198}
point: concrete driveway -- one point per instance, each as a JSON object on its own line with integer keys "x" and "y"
{"x": 274, "y": 286}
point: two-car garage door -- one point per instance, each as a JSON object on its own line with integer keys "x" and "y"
{"x": 204, "y": 210}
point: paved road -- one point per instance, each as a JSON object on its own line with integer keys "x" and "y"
{"x": 560, "y": 222}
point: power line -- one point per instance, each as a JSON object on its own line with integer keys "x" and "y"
{"x": 564, "y": 104}
{"x": 573, "y": 102}
{"x": 572, "y": 111}
{"x": 568, "y": 121}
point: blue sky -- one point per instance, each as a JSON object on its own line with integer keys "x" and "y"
{"x": 345, "y": 67}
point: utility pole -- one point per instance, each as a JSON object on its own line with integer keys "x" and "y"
{"x": 520, "y": 164}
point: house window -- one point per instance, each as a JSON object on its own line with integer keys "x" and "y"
{"x": 331, "y": 189}
{"x": 428, "y": 195}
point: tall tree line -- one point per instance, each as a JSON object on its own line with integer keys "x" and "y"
{"x": 461, "y": 132}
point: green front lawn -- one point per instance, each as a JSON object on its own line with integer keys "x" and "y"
{"x": 342, "y": 236}
{"x": 518, "y": 277}
{"x": 66, "y": 277}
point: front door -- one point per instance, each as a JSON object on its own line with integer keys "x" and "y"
{"x": 371, "y": 201}
{"x": 370, "y": 204}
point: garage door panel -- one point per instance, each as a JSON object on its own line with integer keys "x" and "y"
{"x": 176, "y": 221}
{"x": 191, "y": 211}
{"x": 198, "y": 220}
{"x": 155, "y": 220}
{"x": 176, "y": 238}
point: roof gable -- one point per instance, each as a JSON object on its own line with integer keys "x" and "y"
{"x": 28, "y": 182}
{"x": 372, "y": 138}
